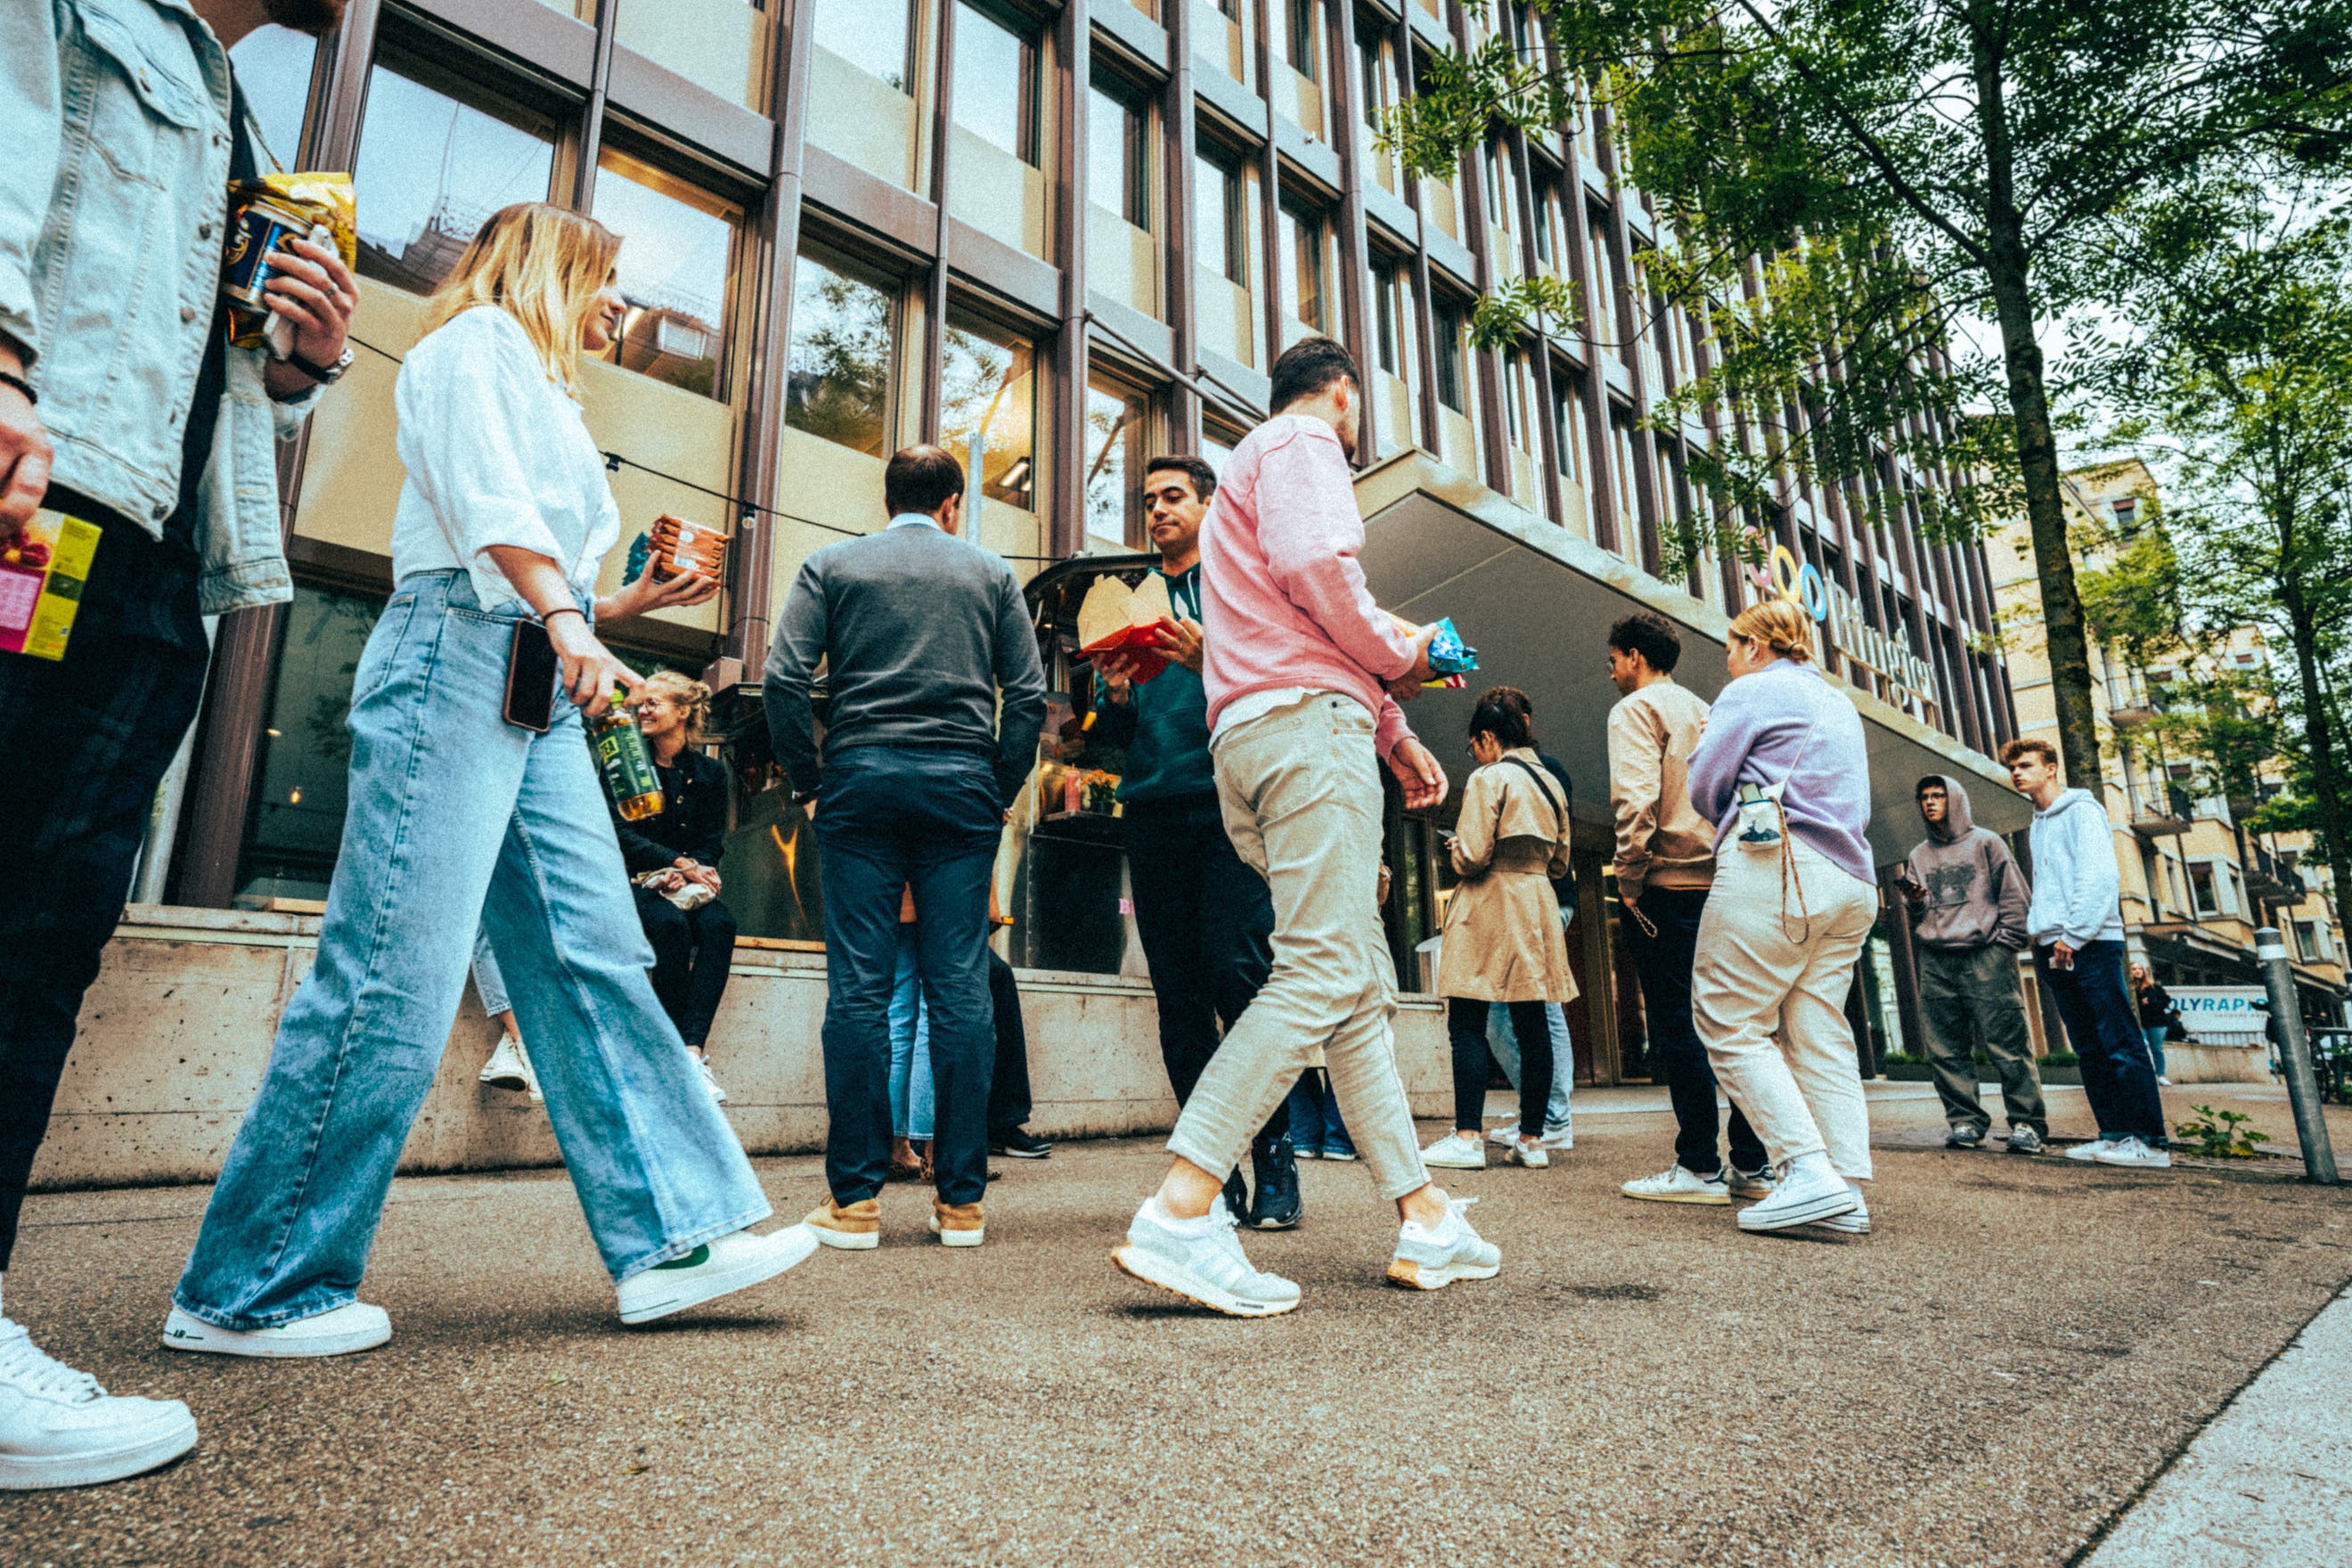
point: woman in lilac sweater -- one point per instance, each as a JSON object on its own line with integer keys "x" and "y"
{"x": 1783, "y": 773}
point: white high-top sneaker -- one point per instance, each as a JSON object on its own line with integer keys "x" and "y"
{"x": 60, "y": 1428}
{"x": 1807, "y": 1191}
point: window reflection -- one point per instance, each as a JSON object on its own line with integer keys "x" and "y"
{"x": 722, "y": 45}
{"x": 306, "y": 751}
{"x": 872, "y": 34}
{"x": 678, "y": 249}
{"x": 988, "y": 405}
{"x": 1117, "y": 429}
{"x": 435, "y": 161}
{"x": 845, "y": 334}
{"x": 1307, "y": 258}
{"x": 1117, "y": 174}
{"x": 273, "y": 67}
{"x": 996, "y": 81}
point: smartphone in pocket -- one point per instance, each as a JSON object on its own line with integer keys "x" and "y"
{"x": 531, "y": 678}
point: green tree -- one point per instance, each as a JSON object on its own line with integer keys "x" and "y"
{"x": 1904, "y": 163}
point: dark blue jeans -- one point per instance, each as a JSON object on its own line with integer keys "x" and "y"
{"x": 890, "y": 817}
{"x": 1677, "y": 1058}
{"x": 2118, "y": 1078}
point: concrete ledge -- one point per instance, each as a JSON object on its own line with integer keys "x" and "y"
{"x": 177, "y": 1030}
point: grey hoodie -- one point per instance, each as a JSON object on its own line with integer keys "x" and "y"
{"x": 1976, "y": 894}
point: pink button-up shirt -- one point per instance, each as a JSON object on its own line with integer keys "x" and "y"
{"x": 1282, "y": 602}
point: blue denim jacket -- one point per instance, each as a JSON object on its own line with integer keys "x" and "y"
{"x": 114, "y": 155}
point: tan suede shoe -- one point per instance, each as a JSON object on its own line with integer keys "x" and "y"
{"x": 956, "y": 1224}
{"x": 856, "y": 1228}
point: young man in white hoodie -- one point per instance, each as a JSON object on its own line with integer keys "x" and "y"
{"x": 2076, "y": 925}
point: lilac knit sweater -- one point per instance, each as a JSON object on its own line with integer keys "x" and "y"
{"x": 1786, "y": 725}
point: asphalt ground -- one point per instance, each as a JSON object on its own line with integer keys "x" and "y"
{"x": 1991, "y": 1377}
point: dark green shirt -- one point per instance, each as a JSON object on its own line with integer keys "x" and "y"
{"x": 1164, "y": 722}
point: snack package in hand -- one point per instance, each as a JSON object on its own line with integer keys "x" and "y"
{"x": 680, "y": 547}
{"x": 1113, "y": 617}
{"x": 263, "y": 215}
{"x": 1450, "y": 658}
{"x": 42, "y": 570}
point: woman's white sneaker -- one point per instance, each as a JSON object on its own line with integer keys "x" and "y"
{"x": 1531, "y": 1155}
{"x": 1854, "y": 1222}
{"x": 1807, "y": 1194}
{"x": 2136, "y": 1152}
{"x": 1678, "y": 1183}
{"x": 505, "y": 1070}
{"x": 353, "y": 1326}
{"x": 709, "y": 1078}
{"x": 1431, "y": 1260}
{"x": 716, "y": 1268}
{"x": 60, "y": 1428}
{"x": 1456, "y": 1152}
{"x": 1201, "y": 1260}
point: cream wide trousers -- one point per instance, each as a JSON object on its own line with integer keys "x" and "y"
{"x": 1775, "y": 953}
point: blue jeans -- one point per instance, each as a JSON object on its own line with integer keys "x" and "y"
{"x": 2095, "y": 1006}
{"x": 1506, "y": 1046}
{"x": 889, "y": 818}
{"x": 459, "y": 819}
{"x": 2155, "y": 1033}
{"x": 914, "y": 1106}
{"x": 489, "y": 981}
{"x": 1314, "y": 1124}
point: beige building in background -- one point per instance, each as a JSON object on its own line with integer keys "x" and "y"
{"x": 2197, "y": 882}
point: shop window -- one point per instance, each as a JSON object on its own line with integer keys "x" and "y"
{"x": 988, "y": 408}
{"x": 999, "y": 185}
{"x": 722, "y": 45}
{"x": 1306, "y": 241}
{"x": 844, "y": 354}
{"x": 676, "y": 266}
{"x": 436, "y": 157}
{"x": 1118, "y": 436}
{"x": 296, "y": 820}
{"x": 862, "y": 83}
{"x": 273, "y": 67}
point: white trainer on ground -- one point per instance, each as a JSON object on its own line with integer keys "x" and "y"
{"x": 60, "y": 1428}
{"x": 1432, "y": 1259}
{"x": 1530, "y": 1154}
{"x": 2134, "y": 1152}
{"x": 2086, "y": 1151}
{"x": 1808, "y": 1193}
{"x": 1201, "y": 1260}
{"x": 715, "y": 1269}
{"x": 507, "y": 1068}
{"x": 353, "y": 1326}
{"x": 1557, "y": 1136}
{"x": 1678, "y": 1183}
{"x": 1456, "y": 1152}
{"x": 1854, "y": 1222}
{"x": 709, "y": 1078}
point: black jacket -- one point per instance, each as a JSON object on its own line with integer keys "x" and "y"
{"x": 692, "y": 821}
{"x": 2155, "y": 1004}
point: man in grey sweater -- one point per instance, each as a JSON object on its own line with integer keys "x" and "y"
{"x": 1968, "y": 910}
{"x": 919, "y": 632}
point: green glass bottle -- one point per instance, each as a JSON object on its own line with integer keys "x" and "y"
{"x": 627, "y": 761}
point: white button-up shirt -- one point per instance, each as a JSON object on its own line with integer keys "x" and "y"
{"x": 497, "y": 454}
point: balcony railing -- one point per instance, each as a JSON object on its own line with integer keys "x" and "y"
{"x": 2271, "y": 880}
{"x": 2160, "y": 811}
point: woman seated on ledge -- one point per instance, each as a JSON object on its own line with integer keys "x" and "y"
{"x": 678, "y": 849}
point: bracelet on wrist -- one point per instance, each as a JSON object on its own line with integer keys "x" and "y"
{"x": 10, "y": 378}
{"x": 547, "y": 616}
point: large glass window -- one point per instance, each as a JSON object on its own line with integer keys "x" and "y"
{"x": 436, "y": 158}
{"x": 1224, "y": 33}
{"x": 296, "y": 815}
{"x": 1299, "y": 38}
{"x": 999, "y": 184}
{"x": 1452, "y": 384}
{"x": 1307, "y": 271}
{"x": 862, "y": 81}
{"x": 677, "y": 261}
{"x": 1119, "y": 173}
{"x": 1118, "y": 431}
{"x": 1376, "y": 90}
{"x": 845, "y": 354}
{"x": 273, "y": 68}
{"x": 988, "y": 408}
{"x": 1221, "y": 258}
{"x": 722, "y": 45}
{"x": 1568, "y": 423}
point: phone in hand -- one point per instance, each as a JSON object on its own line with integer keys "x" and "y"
{"x": 531, "y": 668}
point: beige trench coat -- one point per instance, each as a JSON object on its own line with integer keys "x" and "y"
{"x": 1504, "y": 939}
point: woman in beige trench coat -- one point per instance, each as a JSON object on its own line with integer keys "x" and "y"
{"x": 1504, "y": 942}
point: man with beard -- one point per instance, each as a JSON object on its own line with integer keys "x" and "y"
{"x": 124, "y": 128}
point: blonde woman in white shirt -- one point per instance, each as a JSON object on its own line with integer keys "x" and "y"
{"x": 457, "y": 814}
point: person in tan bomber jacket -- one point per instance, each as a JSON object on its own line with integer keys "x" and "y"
{"x": 1664, "y": 864}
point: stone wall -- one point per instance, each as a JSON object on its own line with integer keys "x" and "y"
{"x": 176, "y": 1031}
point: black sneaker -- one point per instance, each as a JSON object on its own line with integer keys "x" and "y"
{"x": 1277, "y": 1205}
{"x": 1019, "y": 1144}
{"x": 1237, "y": 1197}
{"x": 1966, "y": 1137}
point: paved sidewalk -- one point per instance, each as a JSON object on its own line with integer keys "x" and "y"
{"x": 2268, "y": 1483}
{"x": 1987, "y": 1380}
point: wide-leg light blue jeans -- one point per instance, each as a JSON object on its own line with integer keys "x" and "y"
{"x": 459, "y": 819}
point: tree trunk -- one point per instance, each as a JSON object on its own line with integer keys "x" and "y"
{"x": 2037, "y": 447}
{"x": 2318, "y": 731}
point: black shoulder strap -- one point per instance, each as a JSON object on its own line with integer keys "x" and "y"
{"x": 1543, "y": 788}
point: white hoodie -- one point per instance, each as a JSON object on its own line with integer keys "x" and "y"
{"x": 2077, "y": 891}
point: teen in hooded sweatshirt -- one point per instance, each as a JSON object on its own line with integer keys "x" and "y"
{"x": 1968, "y": 920}
{"x": 2075, "y": 924}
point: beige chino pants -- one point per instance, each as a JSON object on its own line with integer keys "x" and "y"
{"x": 1768, "y": 993}
{"x": 1300, "y": 790}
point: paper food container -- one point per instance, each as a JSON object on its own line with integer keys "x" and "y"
{"x": 1114, "y": 617}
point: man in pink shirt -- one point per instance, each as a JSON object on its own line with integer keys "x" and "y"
{"x": 1304, "y": 673}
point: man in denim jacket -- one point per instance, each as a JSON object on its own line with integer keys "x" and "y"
{"x": 120, "y": 403}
